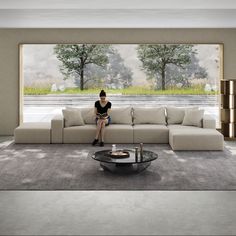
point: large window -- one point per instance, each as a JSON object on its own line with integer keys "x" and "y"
{"x": 56, "y": 76}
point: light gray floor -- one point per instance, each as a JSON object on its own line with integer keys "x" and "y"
{"x": 117, "y": 213}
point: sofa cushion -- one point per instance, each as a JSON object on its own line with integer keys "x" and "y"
{"x": 180, "y": 126}
{"x": 88, "y": 115}
{"x": 79, "y": 134}
{"x": 193, "y": 118}
{"x": 118, "y": 133}
{"x": 121, "y": 115}
{"x": 72, "y": 117}
{"x": 150, "y": 115}
{"x": 194, "y": 138}
{"x": 33, "y": 132}
{"x": 114, "y": 133}
{"x": 175, "y": 115}
{"x": 151, "y": 133}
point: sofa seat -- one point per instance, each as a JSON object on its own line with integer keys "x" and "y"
{"x": 151, "y": 133}
{"x": 79, "y": 134}
{"x": 118, "y": 133}
{"x": 114, "y": 133}
{"x": 194, "y": 138}
{"x": 33, "y": 132}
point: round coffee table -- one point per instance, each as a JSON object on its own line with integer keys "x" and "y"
{"x": 127, "y": 165}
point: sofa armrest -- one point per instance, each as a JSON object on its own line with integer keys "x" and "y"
{"x": 57, "y": 125}
{"x": 208, "y": 122}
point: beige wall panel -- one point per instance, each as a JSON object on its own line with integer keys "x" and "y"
{"x": 11, "y": 38}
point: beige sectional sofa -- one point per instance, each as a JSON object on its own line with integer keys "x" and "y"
{"x": 136, "y": 125}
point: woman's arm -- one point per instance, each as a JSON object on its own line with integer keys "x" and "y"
{"x": 108, "y": 111}
{"x": 96, "y": 112}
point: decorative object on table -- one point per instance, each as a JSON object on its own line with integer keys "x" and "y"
{"x": 119, "y": 154}
{"x": 136, "y": 154}
{"x": 141, "y": 151}
{"x": 113, "y": 149}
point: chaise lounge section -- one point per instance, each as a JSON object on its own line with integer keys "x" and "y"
{"x": 194, "y": 138}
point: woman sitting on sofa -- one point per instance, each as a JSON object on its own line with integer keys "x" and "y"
{"x": 102, "y": 108}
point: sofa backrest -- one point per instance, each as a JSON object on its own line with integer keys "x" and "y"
{"x": 121, "y": 115}
{"x": 139, "y": 115}
{"x": 88, "y": 115}
{"x": 149, "y": 115}
{"x": 175, "y": 115}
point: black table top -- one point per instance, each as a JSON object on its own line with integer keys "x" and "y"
{"x": 104, "y": 156}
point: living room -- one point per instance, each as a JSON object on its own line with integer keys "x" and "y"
{"x": 169, "y": 149}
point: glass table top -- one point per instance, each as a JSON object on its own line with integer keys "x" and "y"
{"x": 104, "y": 156}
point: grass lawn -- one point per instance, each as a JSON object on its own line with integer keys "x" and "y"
{"x": 196, "y": 90}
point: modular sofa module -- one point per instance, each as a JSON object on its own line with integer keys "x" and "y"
{"x": 33, "y": 132}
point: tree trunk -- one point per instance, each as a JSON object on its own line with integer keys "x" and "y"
{"x": 82, "y": 80}
{"x": 82, "y": 65}
{"x": 163, "y": 78}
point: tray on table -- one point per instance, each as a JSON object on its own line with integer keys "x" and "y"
{"x": 119, "y": 154}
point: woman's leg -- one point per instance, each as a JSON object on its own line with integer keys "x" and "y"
{"x": 102, "y": 131}
{"x": 104, "y": 122}
{"x": 98, "y": 131}
{"x": 99, "y": 126}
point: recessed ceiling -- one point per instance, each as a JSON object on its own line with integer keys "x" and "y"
{"x": 118, "y": 14}
{"x": 118, "y": 4}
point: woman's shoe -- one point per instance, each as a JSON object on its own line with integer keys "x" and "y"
{"x": 101, "y": 144}
{"x": 95, "y": 141}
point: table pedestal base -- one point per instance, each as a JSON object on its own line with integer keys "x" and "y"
{"x": 124, "y": 168}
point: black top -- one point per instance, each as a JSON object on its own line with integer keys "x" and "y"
{"x": 100, "y": 109}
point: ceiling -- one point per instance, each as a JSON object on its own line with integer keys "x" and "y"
{"x": 117, "y": 14}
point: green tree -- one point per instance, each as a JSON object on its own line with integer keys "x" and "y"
{"x": 116, "y": 75}
{"x": 76, "y": 57}
{"x": 156, "y": 58}
{"x": 182, "y": 77}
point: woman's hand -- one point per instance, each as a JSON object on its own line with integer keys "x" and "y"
{"x": 104, "y": 118}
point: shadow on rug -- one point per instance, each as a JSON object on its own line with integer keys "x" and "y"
{"x": 70, "y": 167}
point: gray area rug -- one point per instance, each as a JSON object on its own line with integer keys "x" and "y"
{"x": 70, "y": 167}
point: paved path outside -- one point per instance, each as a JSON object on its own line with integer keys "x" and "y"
{"x": 118, "y": 100}
{"x": 44, "y": 107}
